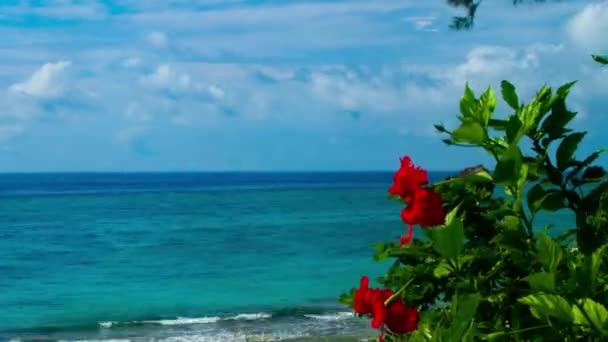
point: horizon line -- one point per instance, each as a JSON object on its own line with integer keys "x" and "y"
{"x": 208, "y": 171}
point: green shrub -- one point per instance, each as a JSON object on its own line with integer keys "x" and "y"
{"x": 489, "y": 273}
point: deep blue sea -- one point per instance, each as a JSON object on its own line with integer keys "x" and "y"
{"x": 188, "y": 256}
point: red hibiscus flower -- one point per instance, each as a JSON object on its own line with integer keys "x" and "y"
{"x": 424, "y": 206}
{"x": 378, "y": 313}
{"x": 401, "y": 319}
{"x": 397, "y": 317}
{"x": 360, "y": 300}
{"x": 407, "y": 179}
{"x": 425, "y": 209}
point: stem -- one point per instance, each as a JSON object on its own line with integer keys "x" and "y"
{"x": 530, "y": 230}
{"x": 493, "y": 270}
{"x": 491, "y": 144}
{"x": 528, "y": 329}
{"x": 463, "y": 145}
{"x": 519, "y": 208}
{"x": 571, "y": 202}
{"x": 527, "y": 223}
{"x": 390, "y": 299}
{"x": 454, "y": 264}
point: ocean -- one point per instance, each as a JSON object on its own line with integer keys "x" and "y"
{"x": 188, "y": 256}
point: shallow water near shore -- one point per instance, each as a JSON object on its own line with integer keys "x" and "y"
{"x": 189, "y": 257}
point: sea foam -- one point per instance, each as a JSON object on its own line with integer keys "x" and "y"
{"x": 190, "y": 320}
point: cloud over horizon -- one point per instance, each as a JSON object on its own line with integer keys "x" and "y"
{"x": 237, "y": 85}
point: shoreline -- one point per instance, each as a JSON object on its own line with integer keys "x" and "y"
{"x": 338, "y": 326}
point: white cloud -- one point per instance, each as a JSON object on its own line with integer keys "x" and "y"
{"x": 157, "y": 39}
{"x": 46, "y": 82}
{"x": 288, "y": 88}
{"x": 422, "y": 94}
{"x": 131, "y": 62}
{"x": 274, "y": 73}
{"x": 181, "y": 79}
{"x": 136, "y": 112}
{"x": 268, "y": 14}
{"x": 216, "y": 91}
{"x": 486, "y": 65}
{"x": 352, "y": 93}
{"x": 423, "y": 23}
{"x": 589, "y": 27}
{"x": 165, "y": 76}
{"x": 489, "y": 64}
{"x": 59, "y": 9}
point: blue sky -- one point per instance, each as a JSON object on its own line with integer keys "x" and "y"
{"x": 137, "y": 85}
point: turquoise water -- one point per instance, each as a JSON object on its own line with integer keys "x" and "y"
{"x": 188, "y": 256}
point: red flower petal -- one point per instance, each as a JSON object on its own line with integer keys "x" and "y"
{"x": 364, "y": 282}
{"x": 360, "y": 301}
{"x": 379, "y": 314}
{"x": 401, "y": 319}
{"x": 405, "y": 239}
{"x": 407, "y": 178}
{"x": 425, "y": 209}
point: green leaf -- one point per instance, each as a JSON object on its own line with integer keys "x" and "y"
{"x": 470, "y": 333}
{"x": 511, "y": 222}
{"x": 553, "y": 201}
{"x": 549, "y": 252}
{"x": 554, "y": 124}
{"x": 542, "y": 281}
{"x": 478, "y": 176}
{"x": 592, "y": 199}
{"x": 588, "y": 312}
{"x": 465, "y": 312}
{"x": 508, "y": 168}
{"x": 513, "y": 129}
{"x": 521, "y": 182}
{"x": 509, "y": 94}
{"x": 416, "y": 336}
{"x": 449, "y": 240}
{"x": 488, "y": 104}
{"x": 497, "y": 124}
{"x": 544, "y": 306}
{"x": 586, "y": 162}
{"x": 566, "y": 149}
{"x": 464, "y": 260}
{"x": 535, "y": 197}
{"x": 496, "y": 336}
{"x": 383, "y": 251}
{"x": 563, "y": 90}
{"x": 412, "y": 250}
{"x": 594, "y": 173}
{"x": 600, "y": 59}
{"x": 347, "y": 298}
{"x": 443, "y": 269}
{"x": 512, "y": 238}
{"x": 468, "y": 102}
{"x": 395, "y": 198}
{"x": 590, "y": 271}
{"x": 440, "y": 128}
{"x": 469, "y": 132}
{"x": 451, "y": 216}
{"x": 531, "y": 114}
